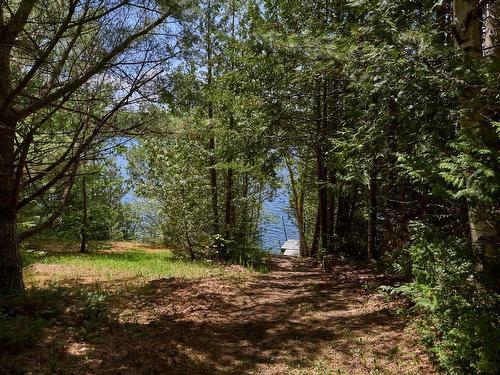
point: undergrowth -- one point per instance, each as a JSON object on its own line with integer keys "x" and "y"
{"x": 461, "y": 316}
{"x": 25, "y": 318}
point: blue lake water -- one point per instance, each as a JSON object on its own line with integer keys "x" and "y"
{"x": 277, "y": 220}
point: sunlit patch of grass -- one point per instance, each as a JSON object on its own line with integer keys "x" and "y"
{"x": 108, "y": 266}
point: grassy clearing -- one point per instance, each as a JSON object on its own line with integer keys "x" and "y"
{"x": 72, "y": 297}
{"x": 137, "y": 264}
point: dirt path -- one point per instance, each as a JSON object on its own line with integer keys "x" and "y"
{"x": 294, "y": 320}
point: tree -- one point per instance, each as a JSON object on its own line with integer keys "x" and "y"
{"x": 298, "y": 192}
{"x": 475, "y": 121}
{"x": 168, "y": 171}
{"x": 54, "y": 57}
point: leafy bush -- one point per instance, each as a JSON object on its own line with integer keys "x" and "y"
{"x": 95, "y": 304}
{"x": 398, "y": 262}
{"x": 30, "y": 256}
{"x": 461, "y": 321}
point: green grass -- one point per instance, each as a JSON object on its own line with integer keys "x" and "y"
{"x": 80, "y": 295}
{"x": 134, "y": 263}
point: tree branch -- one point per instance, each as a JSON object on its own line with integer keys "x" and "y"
{"x": 101, "y": 65}
{"x": 56, "y": 212}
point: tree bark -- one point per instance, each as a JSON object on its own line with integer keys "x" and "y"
{"x": 321, "y": 174}
{"x": 350, "y": 216}
{"x": 328, "y": 174}
{"x": 229, "y": 203}
{"x": 372, "y": 215}
{"x": 492, "y": 30}
{"x": 298, "y": 192}
{"x": 322, "y": 203}
{"x": 304, "y": 250}
{"x": 83, "y": 228}
{"x": 480, "y": 227}
{"x": 315, "y": 240}
{"x": 244, "y": 209}
{"x": 192, "y": 255}
{"x": 341, "y": 213}
{"x": 331, "y": 208}
{"x": 211, "y": 142}
{"x": 11, "y": 279}
{"x": 466, "y": 28}
{"x": 213, "y": 187}
{"x": 229, "y": 207}
{"x": 467, "y": 31}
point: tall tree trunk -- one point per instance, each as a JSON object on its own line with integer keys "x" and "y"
{"x": 192, "y": 256}
{"x": 331, "y": 208}
{"x": 213, "y": 187}
{"x": 83, "y": 228}
{"x": 372, "y": 215}
{"x": 335, "y": 213}
{"x": 352, "y": 211}
{"x": 11, "y": 278}
{"x": 341, "y": 214}
{"x": 229, "y": 202}
{"x": 304, "y": 250}
{"x": 229, "y": 207}
{"x": 328, "y": 173}
{"x": 244, "y": 208}
{"x": 492, "y": 50}
{"x": 315, "y": 240}
{"x": 467, "y": 31}
{"x": 298, "y": 192}
{"x": 322, "y": 203}
{"x": 321, "y": 174}
{"x": 189, "y": 243}
{"x": 392, "y": 217}
{"x": 211, "y": 142}
{"x": 492, "y": 30}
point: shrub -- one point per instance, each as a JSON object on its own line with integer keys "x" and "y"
{"x": 461, "y": 320}
{"x": 95, "y": 304}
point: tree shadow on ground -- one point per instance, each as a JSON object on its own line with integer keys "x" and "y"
{"x": 213, "y": 326}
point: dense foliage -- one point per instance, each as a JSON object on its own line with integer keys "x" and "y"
{"x": 461, "y": 321}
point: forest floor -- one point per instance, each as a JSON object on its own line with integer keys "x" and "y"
{"x": 217, "y": 320}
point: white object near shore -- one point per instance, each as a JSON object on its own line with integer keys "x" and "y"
{"x": 291, "y": 248}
